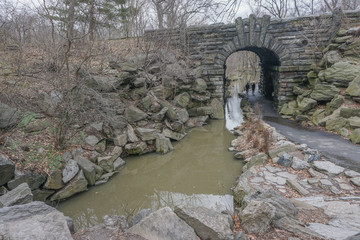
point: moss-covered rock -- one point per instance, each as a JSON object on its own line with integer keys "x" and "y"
{"x": 306, "y": 104}
{"x": 340, "y": 74}
{"x": 135, "y": 148}
{"x": 353, "y": 89}
{"x": 336, "y": 124}
{"x": 78, "y": 184}
{"x": 134, "y": 114}
{"x": 352, "y": 50}
{"x": 350, "y": 112}
{"x": 344, "y": 132}
{"x": 330, "y": 58}
{"x": 355, "y": 136}
{"x": 335, "y": 103}
{"x": 354, "y": 122}
{"x": 289, "y": 109}
{"x": 324, "y": 92}
{"x": 318, "y": 115}
{"x": 182, "y": 100}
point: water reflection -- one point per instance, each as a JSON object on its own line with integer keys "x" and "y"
{"x": 233, "y": 112}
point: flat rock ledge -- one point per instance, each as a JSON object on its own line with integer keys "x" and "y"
{"x": 298, "y": 191}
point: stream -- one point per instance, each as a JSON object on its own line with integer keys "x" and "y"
{"x": 199, "y": 172}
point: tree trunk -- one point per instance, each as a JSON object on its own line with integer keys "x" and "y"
{"x": 92, "y": 20}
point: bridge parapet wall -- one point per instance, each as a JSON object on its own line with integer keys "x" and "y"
{"x": 287, "y": 47}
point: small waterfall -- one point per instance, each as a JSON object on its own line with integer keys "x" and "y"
{"x": 233, "y": 113}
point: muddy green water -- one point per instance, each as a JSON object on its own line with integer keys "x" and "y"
{"x": 200, "y": 171}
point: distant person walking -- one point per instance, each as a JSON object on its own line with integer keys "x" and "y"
{"x": 247, "y": 87}
{"x": 253, "y": 88}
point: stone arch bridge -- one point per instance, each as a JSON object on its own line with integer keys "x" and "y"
{"x": 287, "y": 48}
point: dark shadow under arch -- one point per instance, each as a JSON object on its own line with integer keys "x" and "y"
{"x": 269, "y": 79}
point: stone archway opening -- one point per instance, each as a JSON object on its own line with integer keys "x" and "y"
{"x": 259, "y": 65}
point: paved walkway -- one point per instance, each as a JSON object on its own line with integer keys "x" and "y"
{"x": 337, "y": 149}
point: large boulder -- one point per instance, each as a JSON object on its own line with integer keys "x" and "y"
{"x": 289, "y": 109}
{"x": 120, "y": 140}
{"x": 306, "y": 104}
{"x": 103, "y": 83}
{"x": 8, "y": 116}
{"x": 125, "y": 66}
{"x": 217, "y": 109}
{"x": 284, "y": 207}
{"x": 35, "y": 126}
{"x": 324, "y": 92}
{"x": 328, "y": 167}
{"x": 334, "y": 115}
{"x": 256, "y": 160}
{"x": 70, "y": 170}
{"x": 353, "y": 89}
{"x": 336, "y": 124}
{"x": 7, "y": 169}
{"x": 355, "y": 136}
{"x": 163, "y": 144}
{"x": 243, "y": 187}
{"x": 207, "y": 223}
{"x": 354, "y": 122}
{"x": 147, "y": 134}
{"x": 350, "y": 112}
{"x": 134, "y": 114}
{"x": 173, "y": 135}
{"x": 135, "y": 148}
{"x": 33, "y": 221}
{"x": 331, "y": 58}
{"x": 107, "y": 163}
{"x": 20, "y": 195}
{"x": 340, "y": 74}
{"x": 54, "y": 180}
{"x": 78, "y": 184}
{"x": 163, "y": 224}
{"x": 318, "y": 115}
{"x": 257, "y": 217}
{"x": 335, "y": 103}
{"x": 32, "y": 178}
{"x": 89, "y": 169}
{"x": 182, "y": 100}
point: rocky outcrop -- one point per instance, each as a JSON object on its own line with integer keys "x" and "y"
{"x": 34, "y": 220}
{"x": 7, "y": 169}
{"x": 33, "y": 179}
{"x": 261, "y": 210}
{"x": 8, "y": 116}
{"x": 334, "y": 83}
{"x": 163, "y": 144}
{"x": 207, "y": 223}
{"x": 163, "y": 224}
{"x": 20, "y": 195}
{"x": 78, "y": 184}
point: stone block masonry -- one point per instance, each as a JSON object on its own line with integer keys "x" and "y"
{"x": 286, "y": 47}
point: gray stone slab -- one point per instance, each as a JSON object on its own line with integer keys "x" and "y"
{"x": 331, "y": 232}
{"x": 163, "y": 224}
{"x": 207, "y": 223}
{"x": 297, "y": 187}
{"x": 33, "y": 221}
{"x": 328, "y": 167}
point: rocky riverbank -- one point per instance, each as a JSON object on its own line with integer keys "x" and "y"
{"x": 133, "y": 107}
{"x": 293, "y": 192}
{"x": 329, "y": 97}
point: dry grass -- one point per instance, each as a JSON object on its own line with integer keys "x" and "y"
{"x": 256, "y": 136}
